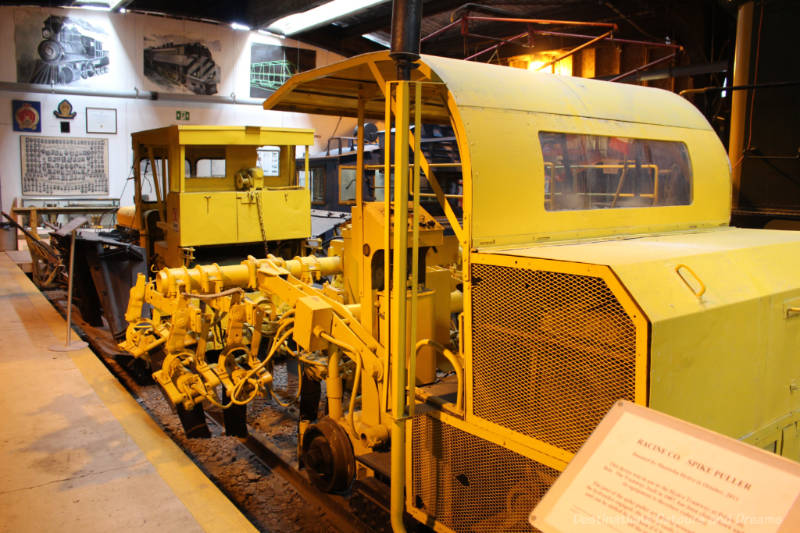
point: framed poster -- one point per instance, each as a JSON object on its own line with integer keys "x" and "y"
{"x": 101, "y": 120}
{"x": 54, "y": 49}
{"x": 271, "y": 66}
{"x": 182, "y": 63}
{"x": 56, "y": 166}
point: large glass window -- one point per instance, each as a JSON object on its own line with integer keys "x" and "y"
{"x": 204, "y": 162}
{"x": 317, "y": 183}
{"x": 209, "y": 168}
{"x": 347, "y": 185}
{"x": 602, "y": 172}
{"x": 146, "y": 176}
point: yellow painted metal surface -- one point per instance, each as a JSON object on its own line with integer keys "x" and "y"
{"x": 200, "y": 214}
{"x": 284, "y": 212}
{"x": 567, "y": 311}
{"x": 725, "y": 359}
{"x": 223, "y": 209}
{"x": 520, "y": 169}
{"x": 497, "y": 113}
{"x": 450, "y": 458}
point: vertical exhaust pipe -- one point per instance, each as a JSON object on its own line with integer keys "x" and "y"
{"x": 406, "y": 27}
{"x": 406, "y": 23}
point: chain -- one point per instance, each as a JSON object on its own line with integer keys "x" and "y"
{"x": 257, "y": 195}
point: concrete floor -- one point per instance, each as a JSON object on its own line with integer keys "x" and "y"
{"x": 77, "y": 453}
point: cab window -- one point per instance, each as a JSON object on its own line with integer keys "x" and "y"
{"x": 604, "y": 172}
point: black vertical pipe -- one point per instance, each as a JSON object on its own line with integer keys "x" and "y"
{"x": 406, "y": 28}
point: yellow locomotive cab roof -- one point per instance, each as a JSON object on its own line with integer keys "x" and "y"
{"x": 224, "y": 135}
{"x": 498, "y": 115}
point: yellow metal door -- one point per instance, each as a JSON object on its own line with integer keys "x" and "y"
{"x": 206, "y": 218}
{"x": 285, "y": 214}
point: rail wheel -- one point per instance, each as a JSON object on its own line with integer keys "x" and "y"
{"x": 328, "y": 456}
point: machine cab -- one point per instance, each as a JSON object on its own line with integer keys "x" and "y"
{"x": 190, "y": 178}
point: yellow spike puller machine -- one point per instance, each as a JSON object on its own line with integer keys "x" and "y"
{"x": 597, "y": 264}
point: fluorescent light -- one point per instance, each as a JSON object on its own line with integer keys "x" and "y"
{"x": 270, "y": 34}
{"x": 240, "y": 27}
{"x": 377, "y": 38}
{"x": 320, "y": 15}
{"x": 93, "y": 7}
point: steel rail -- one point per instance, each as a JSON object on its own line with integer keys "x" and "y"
{"x": 334, "y": 505}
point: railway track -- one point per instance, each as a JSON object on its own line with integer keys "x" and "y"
{"x": 254, "y": 473}
{"x": 343, "y": 520}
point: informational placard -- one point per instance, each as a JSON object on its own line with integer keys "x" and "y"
{"x": 643, "y": 471}
{"x": 57, "y": 166}
{"x": 270, "y": 161}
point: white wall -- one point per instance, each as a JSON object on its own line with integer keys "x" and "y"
{"x": 135, "y": 115}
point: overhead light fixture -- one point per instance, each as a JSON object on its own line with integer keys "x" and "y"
{"x": 378, "y": 38}
{"x": 270, "y": 34}
{"x": 320, "y": 15}
{"x": 240, "y": 27}
{"x": 92, "y": 5}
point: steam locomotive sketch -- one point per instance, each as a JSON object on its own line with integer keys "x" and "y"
{"x": 66, "y": 54}
{"x": 189, "y": 65}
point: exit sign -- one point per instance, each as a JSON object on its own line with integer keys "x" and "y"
{"x": 181, "y": 115}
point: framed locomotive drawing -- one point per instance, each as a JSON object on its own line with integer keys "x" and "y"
{"x": 55, "y": 49}
{"x": 101, "y": 120}
{"x": 58, "y": 166}
{"x": 182, "y": 63}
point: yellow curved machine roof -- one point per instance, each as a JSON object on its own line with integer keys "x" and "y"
{"x": 333, "y": 90}
{"x": 479, "y": 84}
{"x": 497, "y": 114}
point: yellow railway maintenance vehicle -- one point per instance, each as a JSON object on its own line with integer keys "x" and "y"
{"x": 597, "y": 264}
{"x": 198, "y": 188}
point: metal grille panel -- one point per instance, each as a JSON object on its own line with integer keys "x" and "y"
{"x": 470, "y": 484}
{"x": 552, "y": 352}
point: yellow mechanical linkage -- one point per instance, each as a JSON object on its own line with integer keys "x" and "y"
{"x": 328, "y": 344}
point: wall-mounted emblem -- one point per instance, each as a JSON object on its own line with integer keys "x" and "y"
{"x": 27, "y": 115}
{"x": 64, "y": 110}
